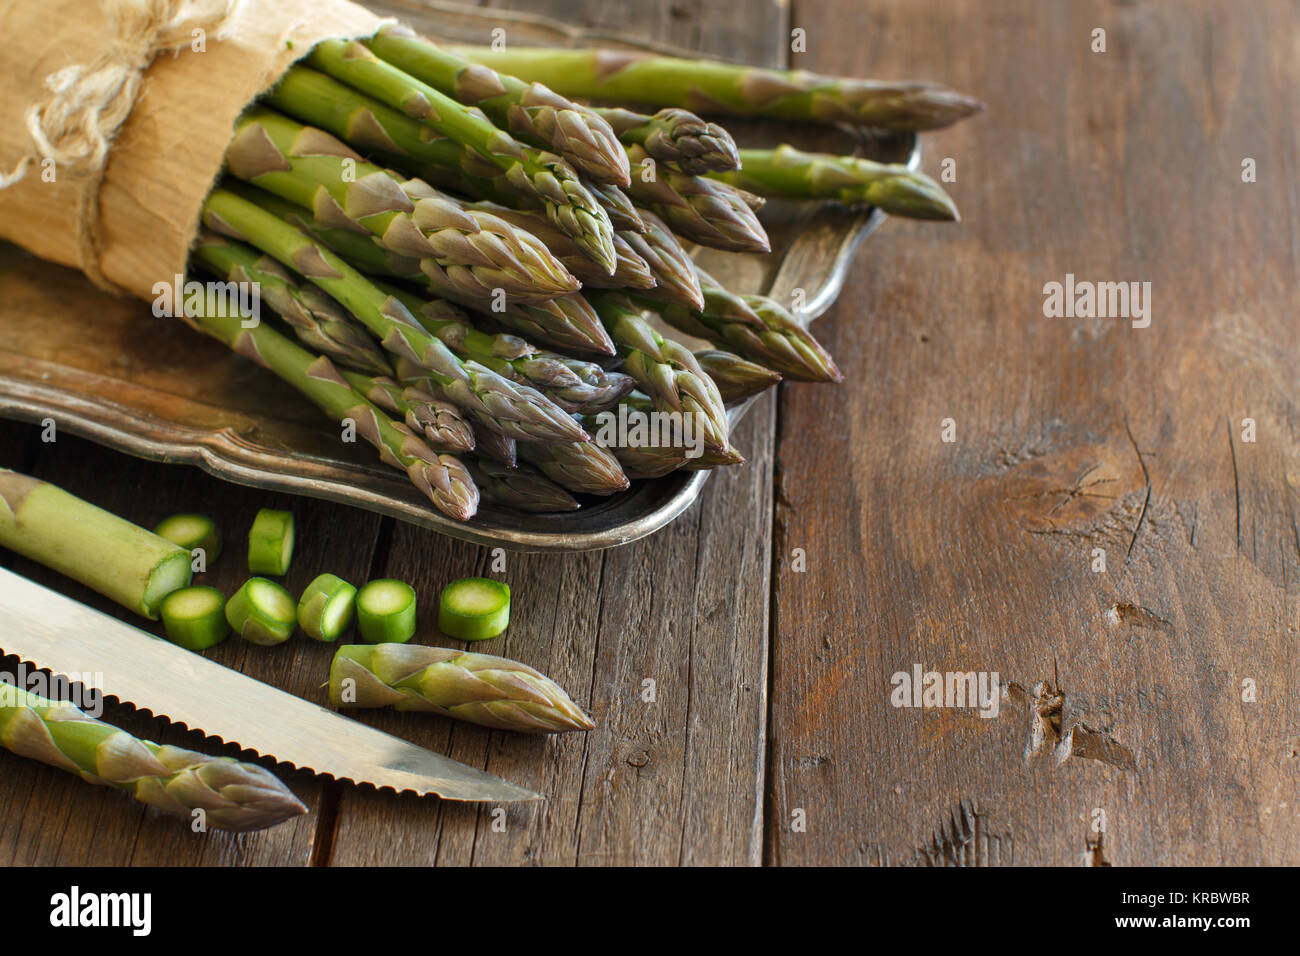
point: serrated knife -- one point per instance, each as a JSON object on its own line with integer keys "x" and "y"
{"x": 55, "y": 633}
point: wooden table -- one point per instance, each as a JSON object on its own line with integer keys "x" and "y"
{"x": 771, "y": 737}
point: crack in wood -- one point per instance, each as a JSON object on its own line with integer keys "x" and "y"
{"x": 1134, "y": 615}
{"x": 1146, "y": 479}
{"x": 964, "y": 838}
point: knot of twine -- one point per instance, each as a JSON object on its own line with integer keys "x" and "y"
{"x": 91, "y": 101}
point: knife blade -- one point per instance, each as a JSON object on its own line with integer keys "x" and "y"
{"x": 58, "y": 634}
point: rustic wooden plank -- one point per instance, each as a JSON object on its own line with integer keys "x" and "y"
{"x": 57, "y": 819}
{"x": 1071, "y": 434}
{"x": 673, "y": 781}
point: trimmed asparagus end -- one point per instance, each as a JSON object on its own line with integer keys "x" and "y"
{"x": 474, "y": 609}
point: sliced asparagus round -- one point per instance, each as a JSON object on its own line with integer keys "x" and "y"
{"x": 326, "y": 608}
{"x": 191, "y": 531}
{"x": 195, "y": 618}
{"x": 262, "y": 612}
{"x": 270, "y": 542}
{"x": 474, "y": 609}
{"x": 386, "y": 611}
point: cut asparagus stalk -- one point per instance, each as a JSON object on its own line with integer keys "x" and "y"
{"x": 712, "y": 87}
{"x": 669, "y": 264}
{"x": 270, "y": 542}
{"x": 195, "y": 618}
{"x": 231, "y": 794}
{"x": 520, "y": 487}
{"x": 529, "y": 111}
{"x": 676, "y": 138}
{"x": 192, "y": 532}
{"x": 479, "y": 688}
{"x": 788, "y": 173}
{"x": 499, "y": 404}
{"x": 467, "y": 252}
{"x": 737, "y": 378}
{"x": 326, "y": 608}
{"x": 698, "y": 208}
{"x": 124, "y": 562}
{"x": 474, "y": 609}
{"x": 441, "y": 478}
{"x": 386, "y": 611}
{"x": 546, "y": 176}
{"x": 262, "y": 612}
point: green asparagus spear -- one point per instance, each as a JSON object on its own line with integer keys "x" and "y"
{"x": 121, "y": 561}
{"x": 582, "y": 467}
{"x": 712, "y": 87}
{"x": 469, "y": 252}
{"x": 789, "y": 173}
{"x": 521, "y": 487}
{"x": 479, "y": 688}
{"x": 442, "y": 478}
{"x": 546, "y": 176}
{"x": 676, "y": 138}
{"x": 528, "y": 110}
{"x": 697, "y": 208}
{"x": 438, "y": 421}
{"x": 497, "y": 403}
{"x": 669, "y": 263}
{"x": 755, "y": 327}
{"x": 737, "y": 378}
{"x": 315, "y": 318}
{"x": 665, "y": 369}
{"x": 565, "y": 322}
{"x": 229, "y": 794}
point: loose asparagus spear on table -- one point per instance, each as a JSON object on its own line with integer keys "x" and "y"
{"x": 708, "y": 86}
{"x": 231, "y": 794}
{"x": 479, "y": 688}
{"x": 550, "y": 179}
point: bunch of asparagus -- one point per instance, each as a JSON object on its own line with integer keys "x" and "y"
{"x": 467, "y": 257}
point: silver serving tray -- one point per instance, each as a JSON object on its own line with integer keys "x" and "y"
{"x": 107, "y": 370}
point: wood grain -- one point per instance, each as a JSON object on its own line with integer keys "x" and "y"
{"x": 677, "y": 780}
{"x": 1071, "y": 434}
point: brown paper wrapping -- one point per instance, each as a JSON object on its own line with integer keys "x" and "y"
{"x": 166, "y": 156}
